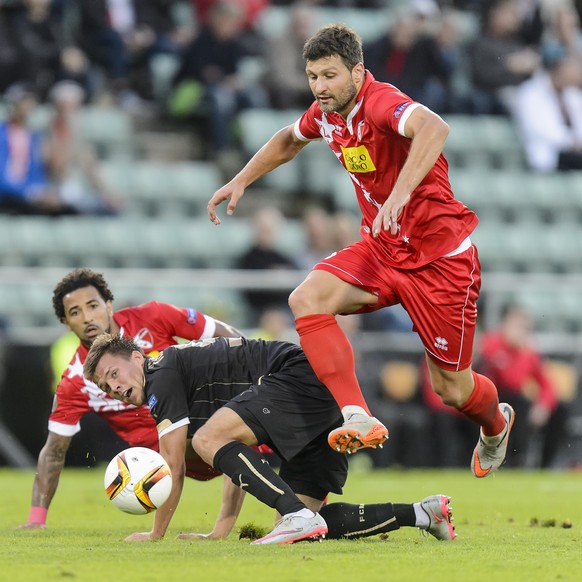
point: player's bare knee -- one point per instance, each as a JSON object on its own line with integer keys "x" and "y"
{"x": 204, "y": 445}
{"x": 450, "y": 394}
{"x": 300, "y": 301}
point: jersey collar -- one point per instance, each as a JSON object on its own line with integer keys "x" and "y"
{"x": 359, "y": 100}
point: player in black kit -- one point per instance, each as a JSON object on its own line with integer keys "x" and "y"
{"x": 230, "y": 394}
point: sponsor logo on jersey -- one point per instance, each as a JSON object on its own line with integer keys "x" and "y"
{"x": 358, "y": 159}
{"x": 441, "y": 343}
{"x": 144, "y": 339}
{"x": 398, "y": 111}
{"x": 192, "y": 316}
{"x": 152, "y": 401}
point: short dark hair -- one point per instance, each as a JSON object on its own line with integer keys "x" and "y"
{"x": 108, "y": 343}
{"x": 335, "y": 39}
{"x": 78, "y": 279}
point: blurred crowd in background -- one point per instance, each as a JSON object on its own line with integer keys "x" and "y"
{"x": 194, "y": 65}
{"x": 203, "y": 61}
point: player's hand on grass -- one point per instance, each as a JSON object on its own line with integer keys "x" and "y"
{"x": 140, "y": 537}
{"x": 199, "y": 536}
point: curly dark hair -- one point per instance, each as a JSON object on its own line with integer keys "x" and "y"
{"x": 335, "y": 39}
{"x": 108, "y": 343}
{"x": 78, "y": 279}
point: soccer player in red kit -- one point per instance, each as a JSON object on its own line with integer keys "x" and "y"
{"x": 415, "y": 248}
{"x": 83, "y": 301}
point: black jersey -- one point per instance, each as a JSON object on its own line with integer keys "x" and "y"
{"x": 187, "y": 383}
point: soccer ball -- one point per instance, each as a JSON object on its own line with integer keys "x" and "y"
{"x": 138, "y": 480}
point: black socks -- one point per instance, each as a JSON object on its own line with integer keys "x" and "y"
{"x": 350, "y": 521}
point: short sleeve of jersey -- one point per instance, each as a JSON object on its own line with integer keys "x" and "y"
{"x": 69, "y": 405}
{"x": 167, "y": 396}
{"x": 186, "y": 323}
{"x": 389, "y": 106}
{"x": 306, "y": 128}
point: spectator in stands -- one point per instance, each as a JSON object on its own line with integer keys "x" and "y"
{"x": 285, "y": 77}
{"x": 414, "y": 58}
{"x": 122, "y": 36}
{"x": 563, "y": 33}
{"x": 500, "y": 59}
{"x": 10, "y": 57}
{"x": 71, "y": 161}
{"x": 548, "y": 113}
{"x": 38, "y": 38}
{"x": 263, "y": 254}
{"x": 252, "y": 40}
{"x": 509, "y": 357}
{"x": 276, "y": 323}
{"x": 319, "y": 230}
{"x": 212, "y": 62}
{"x": 24, "y": 188}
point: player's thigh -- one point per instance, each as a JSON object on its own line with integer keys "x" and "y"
{"x": 224, "y": 426}
{"x": 322, "y": 292}
{"x": 350, "y": 280}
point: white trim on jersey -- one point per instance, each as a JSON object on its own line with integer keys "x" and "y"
{"x": 405, "y": 116}
{"x": 299, "y": 135}
{"x": 174, "y": 426}
{"x": 209, "y": 327}
{"x": 66, "y": 430}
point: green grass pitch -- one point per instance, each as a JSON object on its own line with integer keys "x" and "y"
{"x": 512, "y": 526}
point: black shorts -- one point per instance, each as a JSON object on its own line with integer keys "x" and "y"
{"x": 293, "y": 412}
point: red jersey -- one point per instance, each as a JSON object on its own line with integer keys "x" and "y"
{"x": 154, "y": 326}
{"x": 512, "y": 368}
{"x": 372, "y": 147}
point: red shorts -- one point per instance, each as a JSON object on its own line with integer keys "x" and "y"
{"x": 440, "y": 297}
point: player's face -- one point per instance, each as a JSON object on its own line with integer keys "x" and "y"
{"x": 87, "y": 314}
{"x": 122, "y": 378}
{"x": 333, "y": 85}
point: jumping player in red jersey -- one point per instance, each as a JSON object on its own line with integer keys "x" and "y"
{"x": 83, "y": 302}
{"x": 415, "y": 248}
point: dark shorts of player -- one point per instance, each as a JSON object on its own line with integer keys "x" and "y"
{"x": 292, "y": 412}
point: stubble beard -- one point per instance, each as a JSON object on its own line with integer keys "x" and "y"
{"x": 340, "y": 104}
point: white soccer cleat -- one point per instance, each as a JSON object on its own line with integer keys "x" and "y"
{"x": 440, "y": 517}
{"x": 359, "y": 431}
{"x": 295, "y": 528}
{"x": 489, "y": 457}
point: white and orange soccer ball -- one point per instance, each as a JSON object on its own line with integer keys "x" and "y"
{"x": 138, "y": 480}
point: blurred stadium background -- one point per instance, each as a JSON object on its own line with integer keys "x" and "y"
{"x": 163, "y": 247}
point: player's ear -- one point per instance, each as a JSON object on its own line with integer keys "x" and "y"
{"x": 358, "y": 73}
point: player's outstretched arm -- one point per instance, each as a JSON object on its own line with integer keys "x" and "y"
{"x": 232, "y": 501}
{"x": 48, "y": 471}
{"x": 281, "y": 148}
{"x": 226, "y": 330}
{"x": 173, "y": 449}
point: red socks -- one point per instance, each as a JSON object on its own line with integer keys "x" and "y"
{"x": 483, "y": 406}
{"x": 331, "y": 356}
